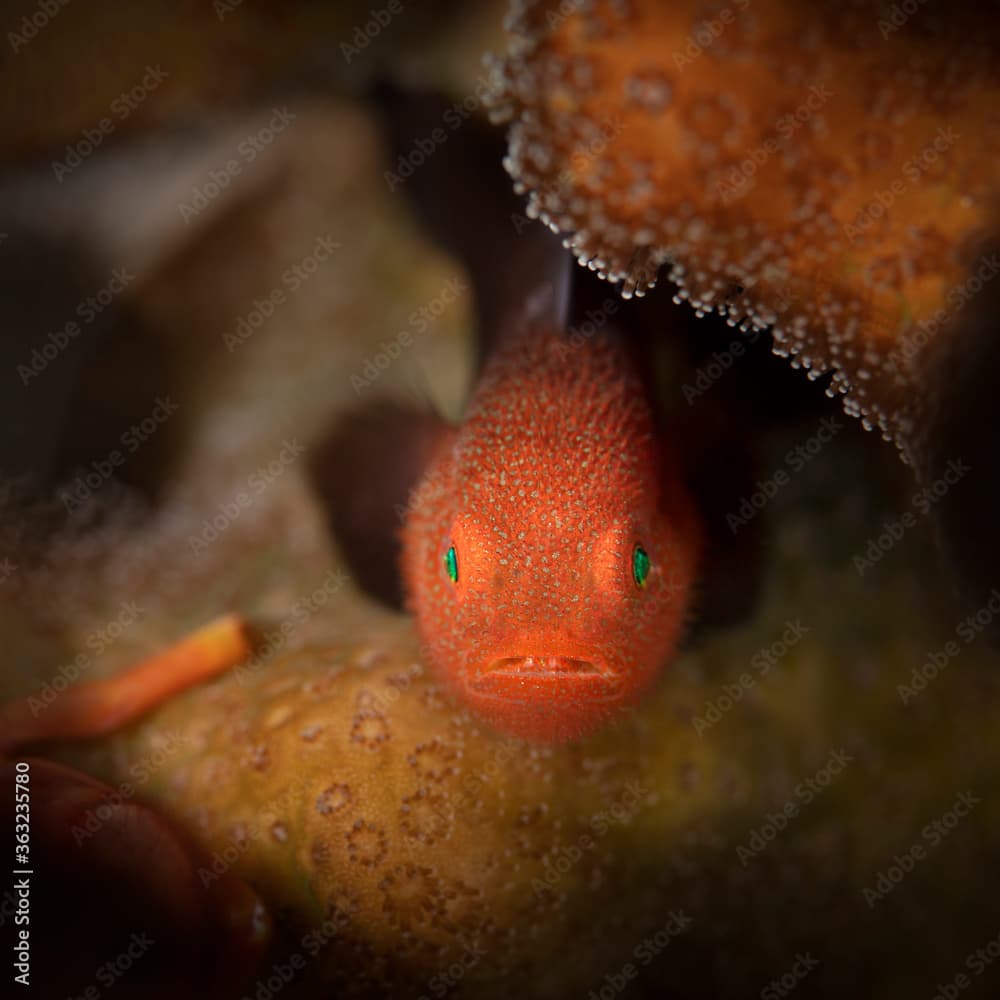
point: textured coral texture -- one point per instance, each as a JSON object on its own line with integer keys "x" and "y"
{"x": 829, "y": 168}
{"x": 378, "y": 819}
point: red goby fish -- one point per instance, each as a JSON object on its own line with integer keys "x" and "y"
{"x": 550, "y": 558}
{"x": 549, "y": 544}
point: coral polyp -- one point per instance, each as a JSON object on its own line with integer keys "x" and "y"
{"x": 827, "y": 169}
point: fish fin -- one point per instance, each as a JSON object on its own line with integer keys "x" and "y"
{"x": 715, "y": 433}
{"x": 466, "y": 201}
{"x": 364, "y": 472}
{"x": 93, "y": 708}
{"x": 553, "y": 302}
{"x": 730, "y": 391}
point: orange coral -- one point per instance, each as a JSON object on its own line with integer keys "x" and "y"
{"x": 825, "y": 168}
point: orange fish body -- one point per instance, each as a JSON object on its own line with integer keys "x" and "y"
{"x": 550, "y": 558}
{"x": 549, "y": 545}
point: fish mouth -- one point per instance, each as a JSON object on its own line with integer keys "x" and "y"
{"x": 509, "y": 677}
{"x": 541, "y": 665}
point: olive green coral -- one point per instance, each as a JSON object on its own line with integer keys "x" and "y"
{"x": 744, "y": 812}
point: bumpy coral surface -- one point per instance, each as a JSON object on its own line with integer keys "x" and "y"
{"x": 753, "y": 810}
{"x": 829, "y": 168}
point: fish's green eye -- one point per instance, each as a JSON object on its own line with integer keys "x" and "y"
{"x": 640, "y": 566}
{"x": 451, "y": 564}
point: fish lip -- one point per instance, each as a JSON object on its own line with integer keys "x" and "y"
{"x": 533, "y": 680}
{"x": 542, "y": 666}
{"x": 502, "y": 676}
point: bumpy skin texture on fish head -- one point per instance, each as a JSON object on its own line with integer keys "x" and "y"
{"x": 550, "y": 553}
